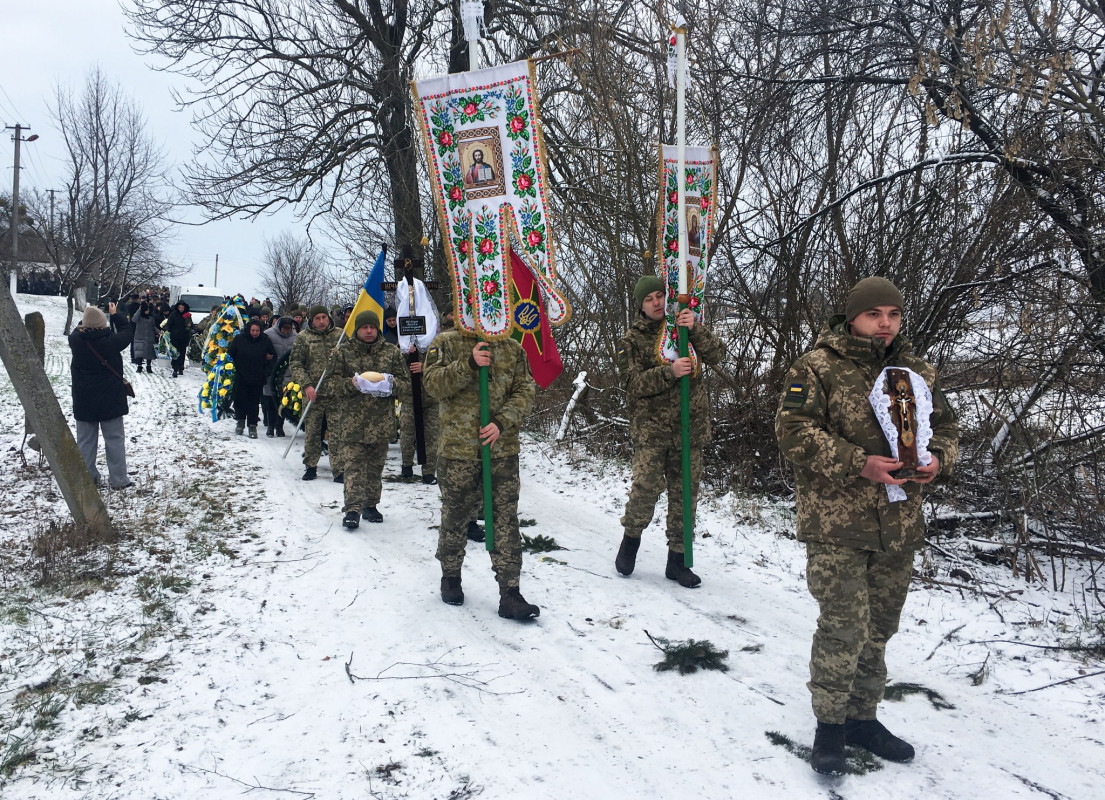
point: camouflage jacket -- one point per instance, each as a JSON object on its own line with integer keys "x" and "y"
{"x": 365, "y": 418}
{"x": 826, "y": 428}
{"x": 310, "y": 355}
{"x": 450, "y": 375}
{"x": 652, "y": 391}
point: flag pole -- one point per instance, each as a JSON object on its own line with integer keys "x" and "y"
{"x": 472, "y": 16}
{"x": 683, "y": 298}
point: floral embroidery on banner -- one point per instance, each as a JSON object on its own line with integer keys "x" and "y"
{"x": 700, "y": 166}
{"x": 482, "y": 143}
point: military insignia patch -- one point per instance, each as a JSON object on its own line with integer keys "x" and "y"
{"x": 795, "y": 395}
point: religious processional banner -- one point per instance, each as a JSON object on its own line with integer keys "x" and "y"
{"x": 700, "y": 171}
{"x": 485, "y": 157}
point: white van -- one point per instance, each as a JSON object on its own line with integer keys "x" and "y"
{"x": 200, "y": 299}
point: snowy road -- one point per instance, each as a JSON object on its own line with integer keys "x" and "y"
{"x": 293, "y": 655}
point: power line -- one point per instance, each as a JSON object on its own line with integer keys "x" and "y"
{"x": 14, "y": 111}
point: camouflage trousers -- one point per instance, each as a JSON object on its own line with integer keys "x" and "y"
{"x": 656, "y": 467}
{"x": 323, "y": 410}
{"x": 364, "y": 469}
{"x": 429, "y": 430}
{"x": 461, "y": 484}
{"x": 860, "y": 594}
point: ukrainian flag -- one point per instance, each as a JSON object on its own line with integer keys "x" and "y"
{"x": 372, "y": 295}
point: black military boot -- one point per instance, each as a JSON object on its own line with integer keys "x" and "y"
{"x": 828, "y": 749}
{"x": 370, "y": 514}
{"x": 351, "y": 520}
{"x": 280, "y": 429}
{"x": 270, "y": 430}
{"x": 310, "y": 473}
{"x": 677, "y": 572}
{"x": 239, "y": 427}
{"x": 513, "y": 606}
{"x": 407, "y": 472}
{"x": 627, "y": 554}
{"x": 872, "y": 736}
{"x": 451, "y": 592}
{"x": 429, "y": 478}
{"x": 252, "y": 431}
{"x": 475, "y": 532}
{"x": 149, "y": 367}
{"x": 139, "y": 369}
{"x": 339, "y": 478}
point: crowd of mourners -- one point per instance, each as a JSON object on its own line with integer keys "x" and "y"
{"x": 859, "y": 510}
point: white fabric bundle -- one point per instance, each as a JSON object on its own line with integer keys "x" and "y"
{"x": 423, "y": 307}
{"x": 880, "y": 403}
{"x": 377, "y": 389}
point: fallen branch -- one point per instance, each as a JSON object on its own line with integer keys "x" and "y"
{"x": 1071, "y": 648}
{"x": 252, "y": 786}
{"x": 1060, "y": 683}
{"x": 460, "y": 674}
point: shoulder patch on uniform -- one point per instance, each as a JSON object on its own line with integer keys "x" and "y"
{"x": 794, "y": 396}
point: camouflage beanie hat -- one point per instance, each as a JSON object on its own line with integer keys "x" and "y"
{"x": 316, "y": 310}
{"x": 366, "y": 318}
{"x": 871, "y": 292}
{"x": 646, "y": 286}
{"x": 93, "y": 319}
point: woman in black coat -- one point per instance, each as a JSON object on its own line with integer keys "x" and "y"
{"x": 251, "y": 353}
{"x": 99, "y": 396}
{"x": 179, "y": 326}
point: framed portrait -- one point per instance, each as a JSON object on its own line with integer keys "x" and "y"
{"x": 481, "y": 162}
{"x": 695, "y": 232}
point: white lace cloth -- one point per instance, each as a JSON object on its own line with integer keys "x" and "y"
{"x": 880, "y": 402}
{"x": 377, "y": 389}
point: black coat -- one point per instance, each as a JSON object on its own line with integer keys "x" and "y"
{"x": 250, "y": 364}
{"x": 179, "y": 326}
{"x": 97, "y": 394}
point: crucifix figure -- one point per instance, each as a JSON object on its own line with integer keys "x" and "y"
{"x": 903, "y": 411}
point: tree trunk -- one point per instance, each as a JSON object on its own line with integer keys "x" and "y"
{"x": 44, "y": 414}
{"x": 36, "y": 329}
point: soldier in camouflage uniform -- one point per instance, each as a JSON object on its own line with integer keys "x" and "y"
{"x": 310, "y": 355}
{"x": 366, "y": 418}
{"x": 452, "y": 375}
{"x": 859, "y": 543}
{"x": 653, "y": 404}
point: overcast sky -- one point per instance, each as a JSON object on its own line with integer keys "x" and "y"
{"x": 47, "y": 43}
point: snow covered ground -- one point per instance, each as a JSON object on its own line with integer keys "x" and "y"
{"x": 239, "y": 637}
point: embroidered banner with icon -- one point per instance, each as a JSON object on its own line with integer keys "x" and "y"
{"x": 483, "y": 147}
{"x": 700, "y": 164}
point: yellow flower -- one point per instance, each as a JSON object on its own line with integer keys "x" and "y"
{"x": 222, "y": 392}
{"x": 295, "y": 387}
{"x": 206, "y": 391}
{"x": 284, "y": 402}
{"x": 295, "y": 407}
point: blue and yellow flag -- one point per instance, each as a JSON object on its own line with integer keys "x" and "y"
{"x": 372, "y": 295}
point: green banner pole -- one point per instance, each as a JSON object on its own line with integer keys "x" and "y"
{"x": 485, "y": 454}
{"x": 685, "y": 432}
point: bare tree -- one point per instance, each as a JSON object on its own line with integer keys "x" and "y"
{"x": 298, "y": 103}
{"x": 113, "y": 220}
{"x": 295, "y": 271}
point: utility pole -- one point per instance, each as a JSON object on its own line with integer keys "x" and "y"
{"x": 14, "y": 230}
{"x": 52, "y": 193}
{"x": 216, "y": 269}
